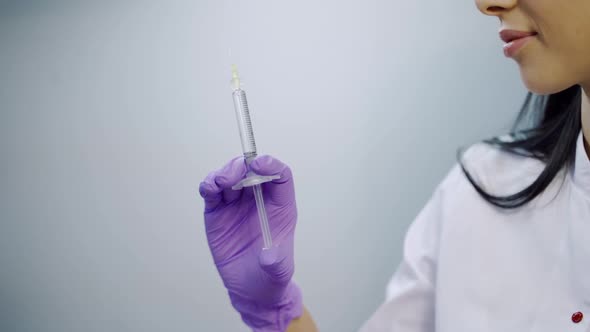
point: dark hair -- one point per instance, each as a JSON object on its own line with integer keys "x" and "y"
{"x": 546, "y": 129}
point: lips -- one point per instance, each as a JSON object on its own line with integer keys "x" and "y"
{"x": 510, "y": 35}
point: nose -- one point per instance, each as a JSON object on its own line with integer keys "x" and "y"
{"x": 495, "y": 7}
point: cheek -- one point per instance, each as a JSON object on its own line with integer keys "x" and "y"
{"x": 561, "y": 57}
{"x": 578, "y": 50}
{"x": 544, "y": 70}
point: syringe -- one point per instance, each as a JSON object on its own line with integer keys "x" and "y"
{"x": 249, "y": 150}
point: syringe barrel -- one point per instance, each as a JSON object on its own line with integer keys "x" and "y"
{"x": 244, "y": 124}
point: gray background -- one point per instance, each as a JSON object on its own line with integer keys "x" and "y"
{"x": 112, "y": 112}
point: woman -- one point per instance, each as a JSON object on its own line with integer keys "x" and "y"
{"x": 504, "y": 242}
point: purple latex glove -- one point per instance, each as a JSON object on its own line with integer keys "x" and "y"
{"x": 258, "y": 281}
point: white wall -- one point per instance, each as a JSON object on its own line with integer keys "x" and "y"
{"x": 112, "y": 112}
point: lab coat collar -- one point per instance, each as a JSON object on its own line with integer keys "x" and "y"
{"x": 581, "y": 172}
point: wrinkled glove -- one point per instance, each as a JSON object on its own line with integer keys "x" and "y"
{"x": 258, "y": 281}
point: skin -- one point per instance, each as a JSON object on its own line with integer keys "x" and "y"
{"x": 303, "y": 323}
{"x": 554, "y": 60}
{"x": 559, "y": 56}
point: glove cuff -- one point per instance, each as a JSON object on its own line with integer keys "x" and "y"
{"x": 271, "y": 319}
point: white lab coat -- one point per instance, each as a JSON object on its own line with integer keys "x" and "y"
{"x": 469, "y": 266}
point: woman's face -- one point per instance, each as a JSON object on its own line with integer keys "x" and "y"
{"x": 559, "y": 55}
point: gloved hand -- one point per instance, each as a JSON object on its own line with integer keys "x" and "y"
{"x": 258, "y": 281}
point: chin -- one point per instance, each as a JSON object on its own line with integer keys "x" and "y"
{"x": 543, "y": 87}
{"x": 543, "y": 82}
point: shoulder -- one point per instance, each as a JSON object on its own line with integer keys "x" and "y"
{"x": 497, "y": 171}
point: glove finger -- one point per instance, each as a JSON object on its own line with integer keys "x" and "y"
{"x": 232, "y": 173}
{"x": 210, "y": 192}
{"x": 277, "y": 262}
{"x": 230, "y": 195}
{"x": 214, "y": 185}
{"x": 280, "y": 190}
